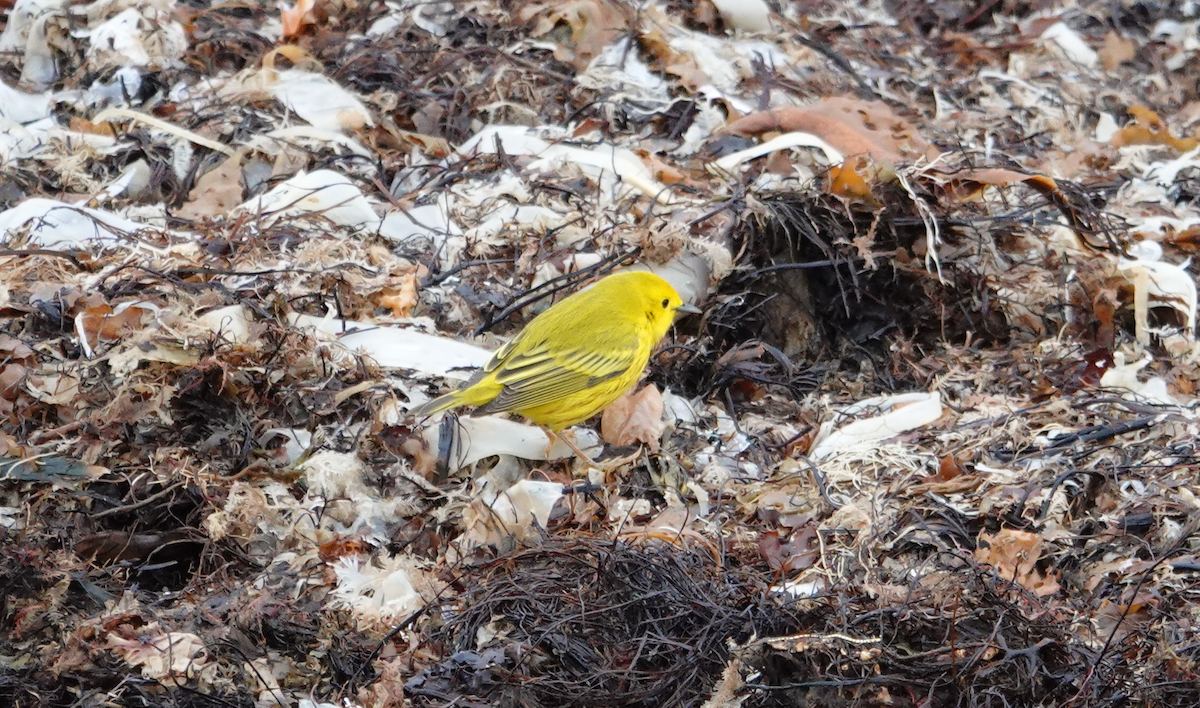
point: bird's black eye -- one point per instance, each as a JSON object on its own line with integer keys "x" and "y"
{"x": 666, "y": 303}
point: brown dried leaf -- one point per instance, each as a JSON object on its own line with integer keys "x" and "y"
{"x": 216, "y": 192}
{"x": 1116, "y": 49}
{"x": 341, "y": 546}
{"x": 672, "y": 525}
{"x": 400, "y": 298}
{"x": 429, "y": 144}
{"x": 1115, "y": 620}
{"x": 83, "y": 125}
{"x": 847, "y": 183}
{"x": 665, "y": 172}
{"x": 102, "y": 323}
{"x": 111, "y": 546}
{"x": 298, "y": 57}
{"x": 957, "y": 485}
{"x": 1015, "y": 554}
{"x": 1120, "y": 569}
{"x": 780, "y": 163}
{"x": 854, "y": 127}
{"x": 779, "y": 507}
{"x": 1147, "y": 128}
{"x": 429, "y": 118}
{"x": 790, "y": 555}
{"x": 14, "y": 349}
{"x": 969, "y": 52}
{"x": 634, "y": 417}
{"x": 949, "y": 467}
{"x": 292, "y": 17}
{"x": 1104, "y": 307}
{"x": 424, "y": 458}
{"x": 11, "y": 377}
{"x": 594, "y": 24}
{"x": 673, "y": 62}
{"x": 967, "y": 184}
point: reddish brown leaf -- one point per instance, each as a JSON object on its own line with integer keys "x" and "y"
{"x": 949, "y": 468}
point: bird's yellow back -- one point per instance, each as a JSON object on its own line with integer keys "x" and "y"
{"x": 576, "y": 357}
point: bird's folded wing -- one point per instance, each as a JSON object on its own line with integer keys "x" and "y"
{"x": 536, "y": 377}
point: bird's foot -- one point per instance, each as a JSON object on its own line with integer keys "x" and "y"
{"x": 569, "y": 440}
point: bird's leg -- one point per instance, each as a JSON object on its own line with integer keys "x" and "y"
{"x": 568, "y": 441}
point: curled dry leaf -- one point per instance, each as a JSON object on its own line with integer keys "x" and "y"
{"x": 672, "y": 525}
{"x": 949, "y": 467}
{"x": 83, "y": 125}
{"x": 297, "y": 57}
{"x": 1146, "y": 128}
{"x": 634, "y": 417}
{"x": 519, "y": 513}
{"x": 848, "y": 183}
{"x": 401, "y": 297}
{"x": 1115, "y": 620}
{"x": 665, "y": 172}
{"x": 424, "y": 457}
{"x": 172, "y": 657}
{"x": 111, "y": 546}
{"x": 292, "y": 16}
{"x": 854, "y": 127}
{"x": 967, "y": 184}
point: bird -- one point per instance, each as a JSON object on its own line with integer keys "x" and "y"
{"x": 575, "y": 358}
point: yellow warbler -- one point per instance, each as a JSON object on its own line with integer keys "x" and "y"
{"x": 576, "y": 357}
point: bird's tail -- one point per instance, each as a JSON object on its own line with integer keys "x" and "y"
{"x": 438, "y": 404}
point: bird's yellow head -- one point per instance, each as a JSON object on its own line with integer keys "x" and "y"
{"x": 651, "y": 294}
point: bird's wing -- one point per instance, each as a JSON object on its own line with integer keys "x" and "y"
{"x": 538, "y": 376}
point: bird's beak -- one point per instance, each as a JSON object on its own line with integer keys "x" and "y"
{"x": 688, "y": 309}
